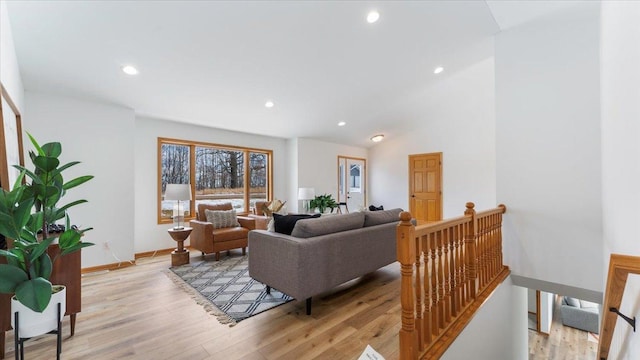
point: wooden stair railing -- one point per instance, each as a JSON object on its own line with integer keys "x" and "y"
{"x": 448, "y": 270}
{"x": 620, "y": 266}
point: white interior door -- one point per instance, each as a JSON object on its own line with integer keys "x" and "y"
{"x": 352, "y": 182}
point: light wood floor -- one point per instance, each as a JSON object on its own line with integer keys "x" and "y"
{"x": 139, "y": 313}
{"x": 562, "y": 343}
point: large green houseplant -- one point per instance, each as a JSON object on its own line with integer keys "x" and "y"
{"x": 27, "y": 214}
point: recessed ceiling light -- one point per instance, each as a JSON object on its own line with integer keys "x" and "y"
{"x": 342, "y": 123}
{"x": 269, "y": 104}
{"x": 129, "y": 70}
{"x": 373, "y": 16}
{"x": 438, "y": 70}
{"x": 377, "y": 138}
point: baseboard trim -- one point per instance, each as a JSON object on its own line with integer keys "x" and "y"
{"x": 153, "y": 253}
{"x": 106, "y": 267}
{"x": 124, "y": 264}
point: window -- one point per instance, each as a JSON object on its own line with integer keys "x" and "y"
{"x": 217, "y": 174}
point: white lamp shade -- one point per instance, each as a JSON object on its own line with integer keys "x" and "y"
{"x": 306, "y": 193}
{"x": 178, "y": 192}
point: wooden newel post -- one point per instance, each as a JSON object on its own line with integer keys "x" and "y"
{"x": 405, "y": 235}
{"x": 470, "y": 251}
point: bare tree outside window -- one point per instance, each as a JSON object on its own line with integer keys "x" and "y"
{"x": 257, "y": 177}
{"x": 175, "y": 170}
{"x": 220, "y": 176}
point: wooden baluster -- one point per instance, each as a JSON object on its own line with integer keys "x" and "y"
{"x": 418, "y": 294}
{"x": 482, "y": 259}
{"x": 459, "y": 267}
{"x": 435, "y": 314}
{"x": 470, "y": 248}
{"x": 440, "y": 273}
{"x": 485, "y": 253}
{"x": 447, "y": 276}
{"x": 405, "y": 237}
{"x": 453, "y": 241}
{"x": 428, "y": 318}
{"x": 496, "y": 245}
{"x": 501, "y": 261}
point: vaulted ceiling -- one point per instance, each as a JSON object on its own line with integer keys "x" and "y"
{"x": 217, "y": 63}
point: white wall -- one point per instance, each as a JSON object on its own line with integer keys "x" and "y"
{"x": 150, "y": 235}
{"x": 318, "y": 165}
{"x": 9, "y": 69}
{"x": 498, "y": 330}
{"x": 548, "y": 147}
{"x": 546, "y": 311}
{"x": 101, "y": 137}
{"x": 620, "y": 94}
{"x": 292, "y": 175}
{"x": 457, "y": 119}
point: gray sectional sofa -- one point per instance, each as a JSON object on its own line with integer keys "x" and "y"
{"x": 324, "y": 252}
{"x": 580, "y": 314}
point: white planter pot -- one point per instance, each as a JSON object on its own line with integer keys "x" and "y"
{"x": 34, "y": 323}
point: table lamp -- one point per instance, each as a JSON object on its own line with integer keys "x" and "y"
{"x": 306, "y": 194}
{"x": 179, "y": 192}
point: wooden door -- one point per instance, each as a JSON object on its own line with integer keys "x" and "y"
{"x": 425, "y": 186}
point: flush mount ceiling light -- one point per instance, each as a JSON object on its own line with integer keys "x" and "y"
{"x": 342, "y": 123}
{"x": 269, "y": 104}
{"x": 373, "y": 16}
{"x": 129, "y": 70}
{"x": 377, "y": 138}
{"x": 438, "y": 70}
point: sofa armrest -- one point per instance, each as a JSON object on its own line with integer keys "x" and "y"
{"x": 247, "y": 222}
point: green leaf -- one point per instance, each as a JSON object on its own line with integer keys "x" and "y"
{"x": 77, "y": 181}
{"x": 11, "y": 277}
{"x": 36, "y": 145}
{"x": 46, "y": 266}
{"x": 68, "y": 238}
{"x": 77, "y": 202}
{"x": 40, "y": 249}
{"x": 59, "y": 170}
{"x": 53, "y": 149}
{"x": 46, "y": 163}
{"x": 34, "y": 294}
{"x": 34, "y": 178}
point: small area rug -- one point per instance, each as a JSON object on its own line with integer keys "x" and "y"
{"x": 225, "y": 289}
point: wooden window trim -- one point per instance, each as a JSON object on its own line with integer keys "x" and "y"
{"x": 192, "y": 175}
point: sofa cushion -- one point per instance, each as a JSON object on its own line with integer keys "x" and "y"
{"x": 328, "y": 225}
{"x": 572, "y": 301}
{"x": 372, "y": 218}
{"x": 222, "y": 218}
{"x": 284, "y": 223}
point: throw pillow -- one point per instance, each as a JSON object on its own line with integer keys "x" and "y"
{"x": 222, "y": 218}
{"x": 284, "y": 223}
{"x": 374, "y": 208}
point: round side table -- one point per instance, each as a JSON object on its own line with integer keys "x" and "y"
{"x": 180, "y": 256}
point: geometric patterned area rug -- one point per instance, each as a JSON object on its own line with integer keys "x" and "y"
{"x": 225, "y": 289}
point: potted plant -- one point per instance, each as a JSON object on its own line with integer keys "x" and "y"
{"x": 28, "y": 215}
{"x": 323, "y": 202}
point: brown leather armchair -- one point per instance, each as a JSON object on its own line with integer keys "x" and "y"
{"x": 209, "y": 240}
